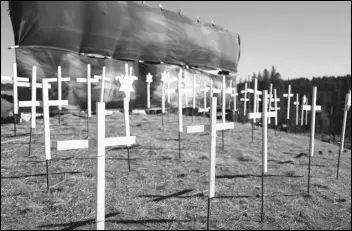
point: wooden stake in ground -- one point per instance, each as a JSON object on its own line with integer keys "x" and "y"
{"x": 17, "y": 82}
{"x": 313, "y": 108}
{"x": 46, "y": 104}
{"x": 100, "y": 143}
{"x": 126, "y": 82}
{"x": 342, "y": 141}
{"x": 149, "y": 80}
{"x": 213, "y": 127}
{"x": 89, "y": 80}
{"x": 288, "y": 96}
{"x": 264, "y": 115}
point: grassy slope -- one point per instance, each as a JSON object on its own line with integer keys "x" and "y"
{"x": 162, "y": 192}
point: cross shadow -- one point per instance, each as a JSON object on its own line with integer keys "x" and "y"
{"x": 42, "y": 174}
{"x": 15, "y": 143}
{"x": 288, "y": 153}
{"x": 282, "y": 162}
{"x": 17, "y": 135}
{"x": 160, "y": 198}
{"x": 315, "y": 165}
{"x": 302, "y": 155}
{"x": 75, "y": 225}
{"x": 251, "y": 175}
{"x": 125, "y": 147}
{"x": 168, "y": 139}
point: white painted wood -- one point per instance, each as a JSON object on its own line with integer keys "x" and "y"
{"x": 347, "y": 107}
{"x": 223, "y": 98}
{"x": 34, "y": 96}
{"x": 235, "y": 94}
{"x": 205, "y": 90}
{"x": 45, "y": 97}
{"x": 100, "y": 168}
{"x": 225, "y": 126}
{"x": 103, "y": 79}
{"x": 288, "y": 96}
{"x": 211, "y": 88}
{"x": 75, "y": 144}
{"x": 270, "y": 100}
{"x": 312, "y": 133}
{"x": 180, "y": 122}
{"x": 255, "y": 98}
{"x": 197, "y": 128}
{"x": 275, "y": 106}
{"x": 15, "y": 93}
{"x": 212, "y": 153}
{"x": 149, "y": 80}
{"x": 194, "y": 91}
{"x": 245, "y": 99}
{"x": 297, "y": 108}
{"x": 304, "y": 102}
{"x": 265, "y": 132}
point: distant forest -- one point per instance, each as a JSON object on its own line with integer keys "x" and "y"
{"x": 331, "y": 93}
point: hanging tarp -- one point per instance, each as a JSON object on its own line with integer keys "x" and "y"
{"x": 124, "y": 30}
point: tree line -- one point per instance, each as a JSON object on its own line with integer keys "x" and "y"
{"x": 331, "y": 93}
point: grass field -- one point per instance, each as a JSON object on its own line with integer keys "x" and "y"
{"x": 163, "y": 192}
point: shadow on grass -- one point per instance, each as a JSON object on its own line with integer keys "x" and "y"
{"x": 251, "y": 175}
{"x": 122, "y": 148}
{"x": 42, "y": 174}
{"x": 17, "y": 135}
{"x": 75, "y": 225}
{"x": 282, "y": 162}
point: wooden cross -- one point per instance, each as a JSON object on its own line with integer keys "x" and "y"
{"x": 16, "y": 82}
{"x": 347, "y": 107}
{"x": 234, "y": 94}
{"x": 103, "y": 79}
{"x": 264, "y": 115}
{"x": 288, "y": 96}
{"x": 88, "y": 80}
{"x": 256, "y": 98}
{"x": 100, "y": 143}
{"x": 213, "y": 127}
{"x": 313, "y": 108}
{"x": 194, "y": 91}
{"x": 149, "y": 80}
{"x": 297, "y": 105}
{"x": 185, "y": 90}
{"x": 205, "y": 90}
{"x": 245, "y": 99}
{"x": 164, "y": 79}
{"x": 304, "y": 102}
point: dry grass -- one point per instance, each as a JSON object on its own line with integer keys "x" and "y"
{"x": 162, "y": 192}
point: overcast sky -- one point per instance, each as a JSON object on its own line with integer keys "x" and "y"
{"x": 301, "y": 39}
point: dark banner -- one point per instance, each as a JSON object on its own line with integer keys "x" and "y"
{"x": 124, "y": 30}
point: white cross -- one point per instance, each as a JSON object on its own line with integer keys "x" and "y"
{"x": 304, "y": 102}
{"x": 33, "y": 103}
{"x": 245, "y": 99}
{"x": 185, "y": 90}
{"x": 103, "y": 78}
{"x": 17, "y": 82}
{"x": 223, "y": 92}
{"x": 264, "y": 115}
{"x": 194, "y": 91}
{"x": 256, "y": 98}
{"x": 205, "y": 89}
{"x": 60, "y": 79}
{"x": 164, "y": 78}
{"x": 149, "y": 80}
{"x": 297, "y": 105}
{"x": 46, "y": 113}
{"x": 88, "y": 80}
{"x": 288, "y": 96}
{"x": 313, "y": 108}
{"x": 126, "y": 82}
{"x": 213, "y": 127}
{"x": 100, "y": 143}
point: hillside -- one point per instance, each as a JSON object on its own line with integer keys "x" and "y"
{"x": 162, "y": 192}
